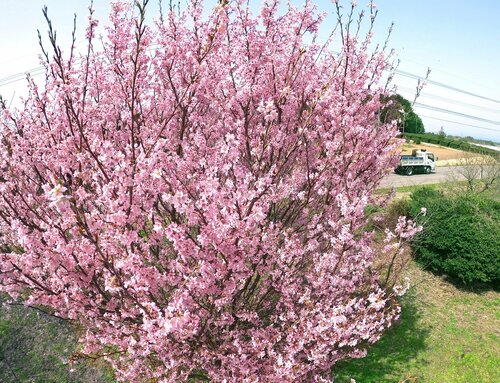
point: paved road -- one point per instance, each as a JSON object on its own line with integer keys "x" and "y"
{"x": 442, "y": 174}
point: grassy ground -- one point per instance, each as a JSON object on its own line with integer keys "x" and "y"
{"x": 445, "y": 335}
{"x": 456, "y": 187}
{"x": 35, "y": 347}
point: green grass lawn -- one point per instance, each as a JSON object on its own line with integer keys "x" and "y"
{"x": 35, "y": 348}
{"x": 445, "y": 335}
{"x": 455, "y": 187}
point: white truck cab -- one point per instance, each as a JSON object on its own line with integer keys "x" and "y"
{"x": 420, "y": 161}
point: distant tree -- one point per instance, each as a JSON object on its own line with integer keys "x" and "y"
{"x": 482, "y": 173}
{"x": 399, "y": 108}
{"x": 442, "y": 132}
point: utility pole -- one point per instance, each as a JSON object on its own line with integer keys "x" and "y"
{"x": 403, "y": 112}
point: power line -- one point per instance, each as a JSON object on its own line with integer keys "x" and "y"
{"x": 32, "y": 74}
{"x": 455, "y": 75}
{"x": 41, "y": 69}
{"x": 449, "y": 100}
{"x": 435, "y": 108}
{"x": 21, "y": 74}
{"x": 460, "y": 123}
{"x": 414, "y": 76}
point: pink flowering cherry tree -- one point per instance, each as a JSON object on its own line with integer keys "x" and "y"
{"x": 192, "y": 193}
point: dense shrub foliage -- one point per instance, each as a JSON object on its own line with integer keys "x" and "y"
{"x": 461, "y": 235}
{"x": 192, "y": 192}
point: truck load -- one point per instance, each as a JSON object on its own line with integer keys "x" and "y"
{"x": 420, "y": 161}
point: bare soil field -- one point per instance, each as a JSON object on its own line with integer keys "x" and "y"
{"x": 442, "y": 153}
{"x": 448, "y": 156}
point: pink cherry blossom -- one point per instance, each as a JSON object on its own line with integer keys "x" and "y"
{"x": 192, "y": 193}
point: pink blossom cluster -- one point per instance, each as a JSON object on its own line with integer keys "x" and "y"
{"x": 193, "y": 194}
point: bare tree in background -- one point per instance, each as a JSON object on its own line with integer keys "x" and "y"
{"x": 480, "y": 172}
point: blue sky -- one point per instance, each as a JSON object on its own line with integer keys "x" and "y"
{"x": 459, "y": 40}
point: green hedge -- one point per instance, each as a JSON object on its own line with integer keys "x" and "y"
{"x": 448, "y": 142}
{"x": 461, "y": 235}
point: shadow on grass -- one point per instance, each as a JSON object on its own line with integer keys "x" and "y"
{"x": 472, "y": 287}
{"x": 35, "y": 347}
{"x": 388, "y": 359}
{"x": 477, "y": 287}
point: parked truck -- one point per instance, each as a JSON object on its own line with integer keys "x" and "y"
{"x": 420, "y": 161}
